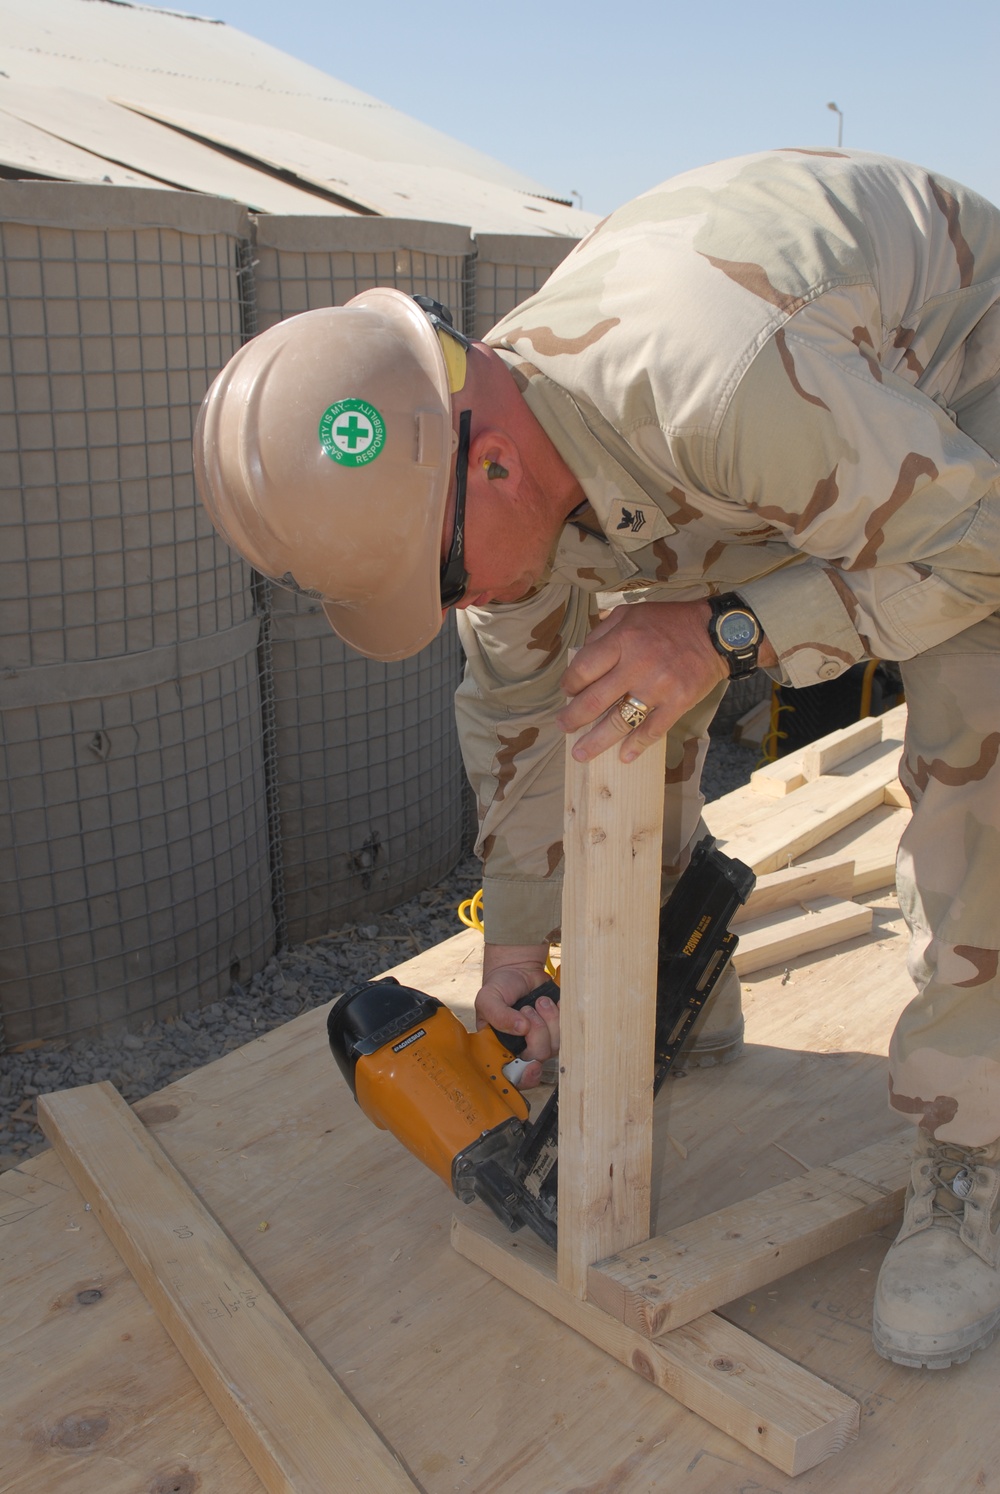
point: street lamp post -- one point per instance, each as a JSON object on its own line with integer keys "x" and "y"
{"x": 840, "y": 122}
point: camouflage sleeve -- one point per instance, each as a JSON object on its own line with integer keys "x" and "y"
{"x": 514, "y": 752}
{"x": 895, "y": 510}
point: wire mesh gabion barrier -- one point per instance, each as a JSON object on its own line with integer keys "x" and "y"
{"x": 133, "y": 835}
{"x": 371, "y": 787}
{"x": 369, "y": 781}
{"x": 509, "y": 268}
{"x": 303, "y": 263}
{"x": 194, "y": 765}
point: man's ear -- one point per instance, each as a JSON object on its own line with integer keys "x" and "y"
{"x": 494, "y": 453}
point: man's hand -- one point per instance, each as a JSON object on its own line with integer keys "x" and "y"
{"x": 511, "y": 971}
{"x": 659, "y": 652}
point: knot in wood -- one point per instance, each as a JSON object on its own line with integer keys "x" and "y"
{"x": 643, "y": 1366}
{"x": 80, "y": 1429}
{"x": 181, "y": 1482}
{"x": 155, "y": 1115}
{"x": 596, "y": 836}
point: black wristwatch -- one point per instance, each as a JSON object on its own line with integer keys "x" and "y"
{"x": 735, "y": 633}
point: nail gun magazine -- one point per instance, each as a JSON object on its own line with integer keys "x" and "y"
{"x": 442, "y": 1091}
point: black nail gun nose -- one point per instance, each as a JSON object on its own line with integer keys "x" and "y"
{"x": 442, "y": 1091}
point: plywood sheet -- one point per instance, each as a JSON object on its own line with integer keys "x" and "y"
{"x": 282, "y": 1406}
{"x": 445, "y": 1360}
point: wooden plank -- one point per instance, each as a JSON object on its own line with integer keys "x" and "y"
{"x": 754, "y": 725}
{"x": 676, "y": 1277}
{"x": 839, "y": 747}
{"x": 808, "y": 763}
{"x": 775, "y": 835}
{"x": 788, "y": 773}
{"x": 295, "y": 1425}
{"x": 872, "y": 843}
{"x": 613, "y": 833}
{"x": 775, "y": 780}
{"x": 822, "y": 756}
{"x": 896, "y": 795}
{"x": 764, "y": 1401}
{"x": 353, "y": 1252}
{"x": 827, "y": 876}
{"x": 791, "y": 932}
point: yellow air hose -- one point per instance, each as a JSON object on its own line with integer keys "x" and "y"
{"x": 471, "y": 914}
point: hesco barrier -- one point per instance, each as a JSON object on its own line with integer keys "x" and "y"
{"x": 510, "y": 267}
{"x": 195, "y": 765}
{"x": 133, "y": 831}
{"x": 369, "y": 781}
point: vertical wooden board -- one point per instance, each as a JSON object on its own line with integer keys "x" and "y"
{"x": 840, "y": 746}
{"x": 752, "y": 727}
{"x": 614, "y": 816}
{"x": 297, "y": 1428}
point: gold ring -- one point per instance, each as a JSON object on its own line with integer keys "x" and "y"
{"x": 632, "y": 711}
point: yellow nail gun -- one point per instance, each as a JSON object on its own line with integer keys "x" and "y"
{"x": 443, "y": 1093}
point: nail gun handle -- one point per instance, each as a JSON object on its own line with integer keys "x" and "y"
{"x": 512, "y": 1041}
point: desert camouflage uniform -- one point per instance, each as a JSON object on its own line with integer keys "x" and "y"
{"x": 780, "y": 375}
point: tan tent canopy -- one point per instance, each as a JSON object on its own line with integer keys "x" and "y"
{"x": 113, "y": 92}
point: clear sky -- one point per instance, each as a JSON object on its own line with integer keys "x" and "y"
{"x": 606, "y": 98}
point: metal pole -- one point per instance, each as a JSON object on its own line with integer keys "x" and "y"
{"x": 840, "y": 122}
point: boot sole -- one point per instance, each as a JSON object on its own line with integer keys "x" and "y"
{"x": 710, "y": 1058}
{"x": 714, "y": 1048}
{"x": 943, "y": 1359}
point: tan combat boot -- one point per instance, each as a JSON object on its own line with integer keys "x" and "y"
{"x": 938, "y": 1293}
{"x": 717, "y": 1036}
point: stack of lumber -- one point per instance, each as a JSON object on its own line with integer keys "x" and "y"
{"x": 820, "y": 828}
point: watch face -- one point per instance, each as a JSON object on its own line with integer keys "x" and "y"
{"x": 737, "y": 629}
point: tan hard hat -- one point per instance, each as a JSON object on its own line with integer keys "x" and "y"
{"x": 323, "y": 454}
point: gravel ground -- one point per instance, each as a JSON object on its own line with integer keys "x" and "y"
{"x": 293, "y": 981}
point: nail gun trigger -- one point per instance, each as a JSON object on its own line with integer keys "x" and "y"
{"x": 514, "y": 1071}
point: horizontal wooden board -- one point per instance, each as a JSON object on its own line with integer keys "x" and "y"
{"x": 787, "y": 1416}
{"x": 834, "y": 751}
{"x": 772, "y": 834}
{"x": 775, "y": 780}
{"x": 839, "y": 747}
{"x": 871, "y": 842}
{"x": 790, "y": 933}
{"x": 826, "y": 876}
{"x": 676, "y": 1277}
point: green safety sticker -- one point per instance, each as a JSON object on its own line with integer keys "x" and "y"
{"x": 352, "y": 432}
